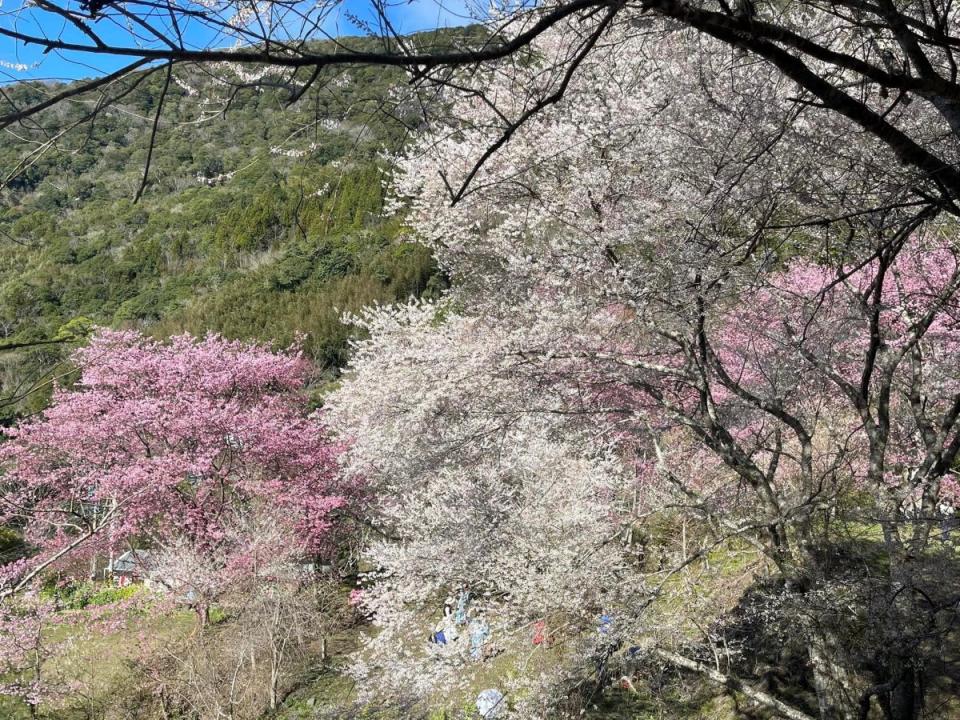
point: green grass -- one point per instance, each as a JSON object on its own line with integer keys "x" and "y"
{"x": 328, "y": 688}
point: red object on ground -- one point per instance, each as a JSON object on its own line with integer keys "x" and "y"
{"x": 539, "y": 632}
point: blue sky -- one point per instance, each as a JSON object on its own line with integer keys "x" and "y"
{"x": 406, "y": 17}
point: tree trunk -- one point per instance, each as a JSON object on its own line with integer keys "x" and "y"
{"x": 905, "y": 699}
{"x": 836, "y": 693}
{"x": 274, "y": 682}
{"x": 734, "y": 684}
{"x": 203, "y": 615}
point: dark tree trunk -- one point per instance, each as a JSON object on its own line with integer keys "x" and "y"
{"x": 905, "y": 699}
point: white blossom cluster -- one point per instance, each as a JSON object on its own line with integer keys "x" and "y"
{"x": 520, "y": 508}
{"x": 16, "y": 67}
{"x": 502, "y": 429}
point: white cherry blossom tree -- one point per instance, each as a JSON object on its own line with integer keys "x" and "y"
{"x": 745, "y": 302}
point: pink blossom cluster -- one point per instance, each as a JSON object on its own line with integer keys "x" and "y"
{"x": 174, "y": 442}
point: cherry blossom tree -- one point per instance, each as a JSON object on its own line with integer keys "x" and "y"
{"x": 476, "y": 495}
{"x": 23, "y": 652}
{"x": 254, "y": 659}
{"x": 37, "y": 640}
{"x": 187, "y": 445}
{"x": 745, "y": 304}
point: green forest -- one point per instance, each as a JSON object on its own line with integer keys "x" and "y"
{"x": 234, "y": 233}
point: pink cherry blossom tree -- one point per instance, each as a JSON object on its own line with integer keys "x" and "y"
{"x": 184, "y": 444}
{"x": 23, "y": 651}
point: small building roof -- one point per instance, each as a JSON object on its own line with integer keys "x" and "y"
{"x": 133, "y": 561}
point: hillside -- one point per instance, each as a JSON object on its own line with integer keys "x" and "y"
{"x": 258, "y": 221}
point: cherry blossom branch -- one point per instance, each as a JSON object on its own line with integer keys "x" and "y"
{"x": 732, "y": 683}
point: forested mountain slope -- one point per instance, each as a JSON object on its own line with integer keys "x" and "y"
{"x": 681, "y": 438}
{"x": 257, "y": 220}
